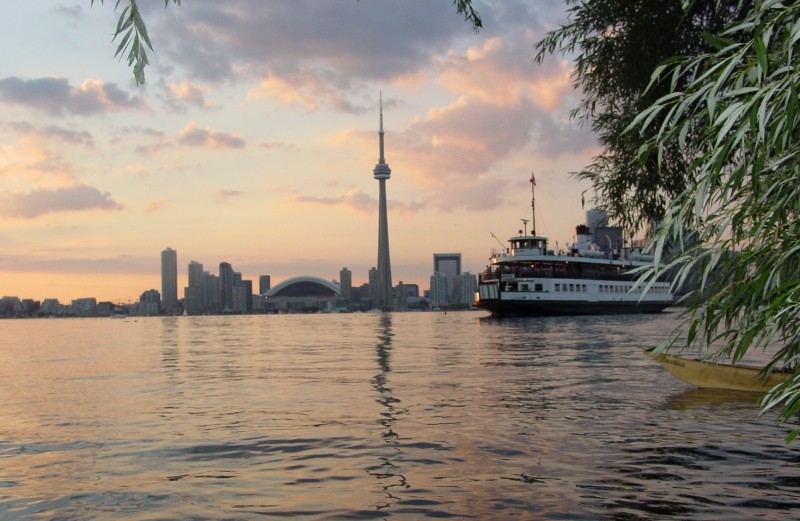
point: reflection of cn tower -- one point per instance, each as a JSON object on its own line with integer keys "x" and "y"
{"x": 382, "y": 172}
{"x": 389, "y": 474}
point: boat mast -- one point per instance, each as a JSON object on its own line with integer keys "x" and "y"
{"x": 533, "y": 204}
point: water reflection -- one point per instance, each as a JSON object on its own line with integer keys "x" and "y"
{"x": 389, "y": 472}
{"x": 361, "y": 416}
{"x": 693, "y": 398}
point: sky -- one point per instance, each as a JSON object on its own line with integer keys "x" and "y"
{"x": 255, "y": 135}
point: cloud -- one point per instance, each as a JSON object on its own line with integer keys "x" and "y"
{"x": 360, "y": 202}
{"x": 462, "y": 141}
{"x": 55, "y": 96}
{"x": 179, "y": 95}
{"x": 280, "y": 145}
{"x": 153, "y": 149}
{"x": 194, "y": 136}
{"x": 73, "y": 137}
{"x": 77, "y": 262}
{"x": 31, "y": 158}
{"x": 306, "y": 52}
{"x": 501, "y": 70}
{"x": 353, "y": 199}
{"x": 222, "y": 195}
{"x": 43, "y": 201}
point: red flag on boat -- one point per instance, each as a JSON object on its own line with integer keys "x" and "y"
{"x": 533, "y": 179}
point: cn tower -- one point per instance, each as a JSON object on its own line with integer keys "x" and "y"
{"x": 382, "y": 172}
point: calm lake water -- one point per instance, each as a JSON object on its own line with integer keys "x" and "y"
{"x": 373, "y": 416}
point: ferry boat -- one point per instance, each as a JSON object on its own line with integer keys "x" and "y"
{"x": 529, "y": 279}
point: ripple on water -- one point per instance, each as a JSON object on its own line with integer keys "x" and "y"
{"x": 368, "y": 416}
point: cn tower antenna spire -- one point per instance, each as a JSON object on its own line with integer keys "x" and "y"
{"x": 380, "y": 132}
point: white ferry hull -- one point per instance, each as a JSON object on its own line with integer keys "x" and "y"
{"x": 569, "y": 297}
{"x": 544, "y": 307}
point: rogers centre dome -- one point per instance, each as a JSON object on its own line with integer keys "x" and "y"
{"x": 303, "y": 294}
{"x": 305, "y": 286}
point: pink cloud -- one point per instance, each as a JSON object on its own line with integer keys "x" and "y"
{"x": 43, "y": 201}
{"x": 194, "y": 136}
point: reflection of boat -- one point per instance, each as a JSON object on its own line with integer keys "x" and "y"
{"x": 710, "y": 375}
{"x": 529, "y": 279}
{"x": 693, "y": 397}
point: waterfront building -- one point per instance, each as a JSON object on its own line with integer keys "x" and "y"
{"x": 372, "y": 281}
{"x": 595, "y": 218}
{"x": 225, "y": 286}
{"x": 440, "y": 290}
{"x": 382, "y": 173}
{"x": 412, "y": 290}
{"x": 169, "y": 280}
{"x": 239, "y": 299}
{"x": 193, "y": 301}
{"x": 211, "y": 293}
{"x": 195, "y": 272}
{"x": 84, "y": 307}
{"x": 248, "y": 299}
{"x": 304, "y": 294}
{"x": 264, "y": 283}
{"x": 467, "y": 286}
{"x": 448, "y": 264}
{"x": 51, "y": 306}
{"x": 400, "y": 297}
{"x": 346, "y": 284}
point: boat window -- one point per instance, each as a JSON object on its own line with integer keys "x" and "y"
{"x": 572, "y": 287}
{"x": 539, "y": 287}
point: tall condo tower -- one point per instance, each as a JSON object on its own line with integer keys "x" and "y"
{"x": 169, "y": 280}
{"x": 382, "y": 172}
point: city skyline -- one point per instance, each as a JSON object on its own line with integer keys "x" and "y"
{"x": 253, "y": 138}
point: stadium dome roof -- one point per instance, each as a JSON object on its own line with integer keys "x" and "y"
{"x": 304, "y": 286}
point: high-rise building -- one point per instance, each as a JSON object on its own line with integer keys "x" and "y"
{"x": 346, "y": 285}
{"x": 382, "y": 172}
{"x": 211, "y": 293}
{"x": 248, "y": 295}
{"x": 193, "y": 293}
{"x": 440, "y": 290}
{"x": 169, "y": 280}
{"x": 400, "y": 297}
{"x": 467, "y": 286}
{"x": 373, "y": 287}
{"x": 264, "y": 284}
{"x": 448, "y": 264}
{"x": 596, "y": 217}
{"x": 195, "y": 274}
{"x": 225, "y": 286}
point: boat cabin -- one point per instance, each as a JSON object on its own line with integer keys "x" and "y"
{"x": 528, "y": 245}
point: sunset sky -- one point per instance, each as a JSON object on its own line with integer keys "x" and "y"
{"x": 254, "y": 139}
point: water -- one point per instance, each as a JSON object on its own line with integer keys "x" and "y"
{"x": 370, "y": 416}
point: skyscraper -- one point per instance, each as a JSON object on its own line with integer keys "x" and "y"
{"x": 382, "y": 172}
{"x": 448, "y": 264}
{"x": 264, "y": 283}
{"x": 169, "y": 280}
{"x": 346, "y": 284}
{"x": 193, "y": 293}
{"x": 225, "y": 286}
{"x": 467, "y": 286}
{"x": 440, "y": 290}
